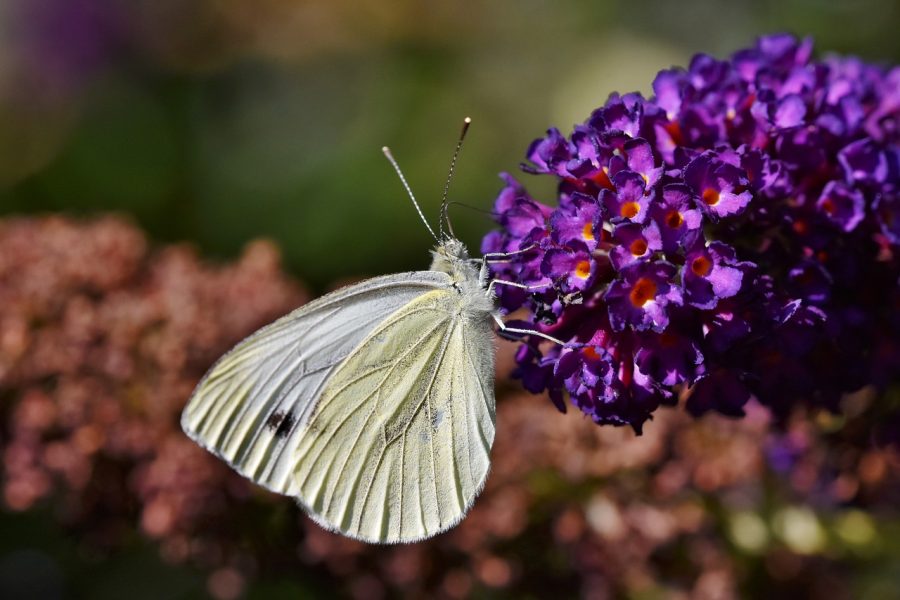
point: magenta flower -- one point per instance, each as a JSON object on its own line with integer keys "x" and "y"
{"x": 669, "y": 358}
{"x": 731, "y": 237}
{"x": 843, "y": 205}
{"x": 630, "y": 200}
{"x": 677, "y": 218}
{"x": 634, "y": 243}
{"x": 712, "y": 273}
{"x": 721, "y": 187}
{"x": 642, "y": 297}
{"x": 579, "y": 220}
{"x": 572, "y": 268}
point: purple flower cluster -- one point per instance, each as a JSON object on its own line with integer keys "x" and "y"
{"x": 736, "y": 235}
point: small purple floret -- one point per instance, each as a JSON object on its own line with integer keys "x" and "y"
{"x": 711, "y": 274}
{"x": 640, "y": 299}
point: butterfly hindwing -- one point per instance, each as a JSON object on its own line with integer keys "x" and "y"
{"x": 398, "y": 445}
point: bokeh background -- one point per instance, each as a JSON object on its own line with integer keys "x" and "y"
{"x": 218, "y": 121}
{"x": 203, "y": 125}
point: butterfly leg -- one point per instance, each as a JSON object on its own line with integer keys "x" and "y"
{"x": 506, "y": 329}
{"x": 497, "y": 257}
{"x": 490, "y": 287}
{"x": 503, "y": 256}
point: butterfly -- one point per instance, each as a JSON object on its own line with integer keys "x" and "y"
{"x": 373, "y": 406}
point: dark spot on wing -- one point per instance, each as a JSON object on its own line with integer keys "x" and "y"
{"x": 280, "y": 422}
{"x": 436, "y": 418}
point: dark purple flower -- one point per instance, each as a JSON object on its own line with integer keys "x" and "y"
{"x": 640, "y": 159}
{"x": 882, "y": 122}
{"x": 711, "y": 273}
{"x": 519, "y": 213}
{"x": 579, "y": 220}
{"x": 767, "y": 177}
{"x": 721, "y": 188}
{"x": 706, "y": 72}
{"x": 677, "y": 218}
{"x": 612, "y": 391}
{"x": 801, "y": 148}
{"x": 721, "y": 390}
{"x": 635, "y": 398}
{"x": 727, "y": 325}
{"x": 810, "y": 281}
{"x": 669, "y": 86}
{"x": 737, "y": 234}
{"x": 572, "y": 268}
{"x": 585, "y": 369}
{"x": 782, "y": 112}
{"x": 631, "y": 199}
{"x": 864, "y": 161}
{"x": 843, "y": 205}
{"x": 549, "y": 154}
{"x": 641, "y": 297}
{"x": 623, "y": 114}
{"x": 669, "y": 358}
{"x": 634, "y": 242}
{"x": 535, "y": 371}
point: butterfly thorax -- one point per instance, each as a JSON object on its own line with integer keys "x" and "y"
{"x": 452, "y": 257}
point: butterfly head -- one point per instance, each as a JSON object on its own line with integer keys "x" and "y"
{"x": 449, "y": 256}
{"x": 452, "y": 257}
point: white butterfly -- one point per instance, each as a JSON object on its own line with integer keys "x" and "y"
{"x": 373, "y": 405}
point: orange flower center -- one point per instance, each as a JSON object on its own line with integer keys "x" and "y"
{"x": 711, "y": 196}
{"x": 674, "y": 219}
{"x": 591, "y": 352}
{"x": 701, "y": 266}
{"x": 583, "y": 269}
{"x": 588, "y": 232}
{"x": 674, "y": 131}
{"x": 829, "y": 206}
{"x": 630, "y": 209}
{"x": 601, "y": 178}
{"x": 643, "y": 292}
{"x": 638, "y": 247}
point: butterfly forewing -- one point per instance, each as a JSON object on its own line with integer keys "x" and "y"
{"x": 252, "y": 408}
{"x": 398, "y": 445}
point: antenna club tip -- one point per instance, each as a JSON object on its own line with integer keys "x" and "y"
{"x": 385, "y": 149}
{"x": 467, "y": 120}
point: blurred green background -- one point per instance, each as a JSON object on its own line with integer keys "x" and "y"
{"x": 218, "y": 121}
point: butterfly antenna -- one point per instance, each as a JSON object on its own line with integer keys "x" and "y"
{"x": 390, "y": 157}
{"x": 475, "y": 208}
{"x": 444, "y": 216}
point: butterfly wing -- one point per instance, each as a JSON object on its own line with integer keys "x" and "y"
{"x": 252, "y": 407}
{"x": 398, "y": 446}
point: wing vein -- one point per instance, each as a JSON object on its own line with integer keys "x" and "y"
{"x": 365, "y": 399}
